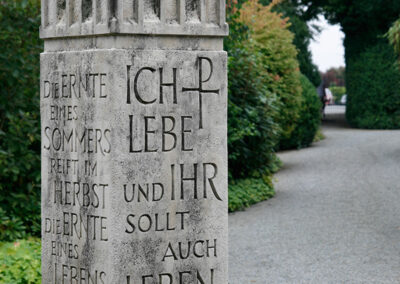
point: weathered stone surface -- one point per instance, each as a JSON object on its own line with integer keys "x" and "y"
{"x": 134, "y": 160}
{"x": 70, "y": 18}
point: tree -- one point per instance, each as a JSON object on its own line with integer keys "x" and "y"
{"x": 334, "y": 77}
{"x": 364, "y": 23}
{"x": 303, "y": 34}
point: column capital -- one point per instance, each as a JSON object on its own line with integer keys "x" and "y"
{"x": 83, "y": 18}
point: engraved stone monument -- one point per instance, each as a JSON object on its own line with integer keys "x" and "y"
{"x": 134, "y": 142}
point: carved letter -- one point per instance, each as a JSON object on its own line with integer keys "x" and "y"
{"x": 137, "y": 95}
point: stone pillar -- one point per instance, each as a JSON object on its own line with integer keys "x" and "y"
{"x": 134, "y": 141}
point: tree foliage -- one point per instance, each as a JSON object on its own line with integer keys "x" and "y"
{"x": 303, "y": 34}
{"x": 334, "y": 77}
{"x": 363, "y": 21}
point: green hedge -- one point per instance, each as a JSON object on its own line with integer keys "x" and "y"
{"x": 373, "y": 85}
{"x": 264, "y": 89}
{"x": 274, "y": 40}
{"x": 19, "y": 118}
{"x": 252, "y": 130}
{"x": 20, "y": 262}
{"x": 310, "y": 118}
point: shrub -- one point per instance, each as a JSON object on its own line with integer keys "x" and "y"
{"x": 303, "y": 34}
{"x": 373, "y": 84}
{"x": 11, "y": 227}
{"x": 275, "y": 41}
{"x": 20, "y": 262}
{"x": 337, "y": 93}
{"x": 245, "y": 192}
{"x": 19, "y": 118}
{"x": 310, "y": 118}
{"x": 252, "y": 108}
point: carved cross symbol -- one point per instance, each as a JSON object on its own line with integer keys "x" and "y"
{"x": 200, "y": 89}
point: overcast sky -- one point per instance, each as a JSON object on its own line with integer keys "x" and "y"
{"x": 327, "y": 48}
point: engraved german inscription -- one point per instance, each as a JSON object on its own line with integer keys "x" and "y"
{"x": 134, "y": 167}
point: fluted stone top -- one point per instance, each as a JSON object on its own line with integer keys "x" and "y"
{"x": 75, "y": 18}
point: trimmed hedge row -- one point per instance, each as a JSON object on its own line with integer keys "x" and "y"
{"x": 373, "y": 84}
{"x": 310, "y": 118}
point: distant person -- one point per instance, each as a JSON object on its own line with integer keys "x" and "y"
{"x": 329, "y": 96}
{"x": 322, "y": 96}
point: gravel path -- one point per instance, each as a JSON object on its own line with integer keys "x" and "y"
{"x": 335, "y": 217}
